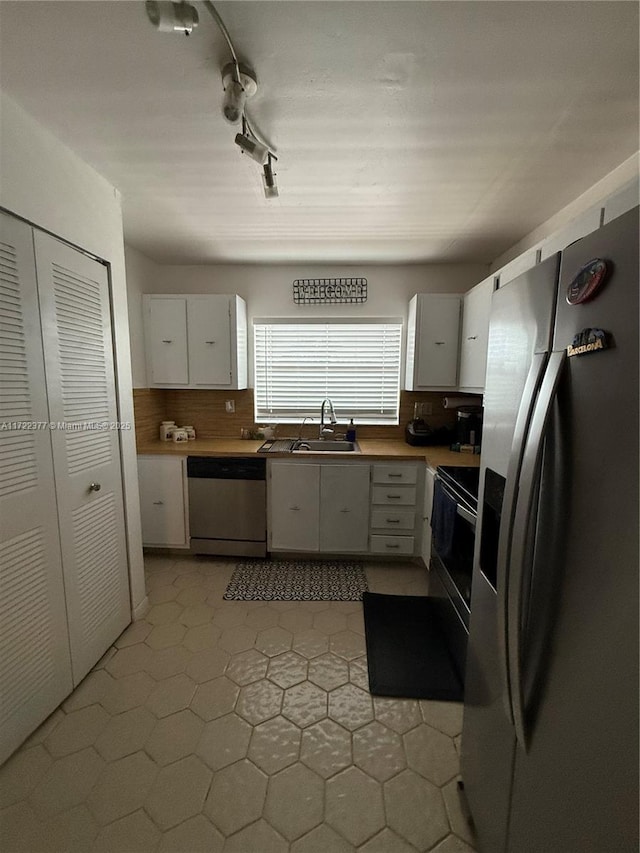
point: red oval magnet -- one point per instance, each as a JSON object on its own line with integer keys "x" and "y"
{"x": 587, "y": 282}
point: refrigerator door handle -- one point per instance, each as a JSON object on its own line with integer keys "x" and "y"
{"x": 531, "y": 466}
{"x": 531, "y": 387}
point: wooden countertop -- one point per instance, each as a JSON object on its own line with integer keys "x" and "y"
{"x": 370, "y": 449}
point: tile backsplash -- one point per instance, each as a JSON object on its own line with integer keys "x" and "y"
{"x": 205, "y": 410}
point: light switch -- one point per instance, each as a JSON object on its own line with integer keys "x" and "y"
{"x": 230, "y": 406}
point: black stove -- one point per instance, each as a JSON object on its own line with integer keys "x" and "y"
{"x": 463, "y": 481}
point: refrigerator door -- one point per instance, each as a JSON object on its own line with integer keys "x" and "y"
{"x": 519, "y": 341}
{"x": 575, "y": 785}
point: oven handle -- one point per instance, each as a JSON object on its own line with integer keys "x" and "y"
{"x": 462, "y": 511}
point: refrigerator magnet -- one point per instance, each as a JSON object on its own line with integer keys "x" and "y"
{"x": 588, "y": 341}
{"x": 587, "y": 282}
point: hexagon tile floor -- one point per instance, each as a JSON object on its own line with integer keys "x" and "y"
{"x": 238, "y": 727}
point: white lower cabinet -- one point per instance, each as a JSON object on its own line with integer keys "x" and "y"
{"x": 395, "y": 497}
{"x": 163, "y": 501}
{"x": 294, "y": 506}
{"x": 318, "y": 507}
{"x": 344, "y": 508}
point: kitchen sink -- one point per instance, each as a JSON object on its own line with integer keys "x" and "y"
{"x": 325, "y": 446}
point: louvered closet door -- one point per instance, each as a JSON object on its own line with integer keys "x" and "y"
{"x": 35, "y": 667}
{"x": 74, "y": 301}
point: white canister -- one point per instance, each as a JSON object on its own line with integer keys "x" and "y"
{"x": 190, "y": 431}
{"x": 179, "y": 435}
{"x": 166, "y": 428}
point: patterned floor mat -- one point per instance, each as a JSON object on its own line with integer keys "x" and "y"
{"x": 297, "y": 580}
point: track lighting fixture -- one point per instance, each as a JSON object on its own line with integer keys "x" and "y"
{"x": 269, "y": 178}
{"x": 239, "y": 83}
{"x": 172, "y": 17}
{"x": 256, "y": 150}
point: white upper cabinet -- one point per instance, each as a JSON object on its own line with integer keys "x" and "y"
{"x": 165, "y": 331}
{"x": 476, "y": 308}
{"x": 194, "y": 341}
{"x": 433, "y": 332}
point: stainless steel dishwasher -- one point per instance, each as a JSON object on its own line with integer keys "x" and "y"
{"x": 227, "y": 506}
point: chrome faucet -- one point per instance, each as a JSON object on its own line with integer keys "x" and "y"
{"x": 324, "y": 430}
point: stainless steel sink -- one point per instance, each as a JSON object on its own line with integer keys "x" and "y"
{"x": 325, "y": 446}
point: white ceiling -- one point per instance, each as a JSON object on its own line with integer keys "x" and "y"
{"x": 406, "y": 131}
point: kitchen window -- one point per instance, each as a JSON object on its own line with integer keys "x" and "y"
{"x": 356, "y": 364}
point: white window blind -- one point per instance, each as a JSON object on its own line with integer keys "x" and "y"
{"x": 356, "y": 365}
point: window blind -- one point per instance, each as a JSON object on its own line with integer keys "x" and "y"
{"x": 356, "y": 365}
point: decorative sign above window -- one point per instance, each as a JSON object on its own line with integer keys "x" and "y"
{"x": 329, "y": 291}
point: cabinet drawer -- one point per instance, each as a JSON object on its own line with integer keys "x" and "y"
{"x": 406, "y": 474}
{"x": 394, "y": 495}
{"x": 389, "y": 519}
{"x": 392, "y": 544}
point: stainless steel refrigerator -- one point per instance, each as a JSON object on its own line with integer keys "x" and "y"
{"x": 550, "y": 736}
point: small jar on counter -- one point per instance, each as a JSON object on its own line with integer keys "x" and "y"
{"x": 166, "y": 428}
{"x": 179, "y": 435}
{"x": 190, "y": 431}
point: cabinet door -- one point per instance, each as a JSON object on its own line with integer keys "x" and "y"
{"x": 162, "y": 501}
{"x": 74, "y": 300}
{"x": 209, "y": 325}
{"x": 35, "y": 667}
{"x": 429, "y": 483}
{"x": 475, "y": 336}
{"x": 344, "y": 508}
{"x": 294, "y": 506}
{"x": 165, "y": 332}
{"x": 438, "y": 327}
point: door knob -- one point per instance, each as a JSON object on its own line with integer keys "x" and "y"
{"x": 94, "y": 487}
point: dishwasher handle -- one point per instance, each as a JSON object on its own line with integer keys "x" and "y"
{"x": 226, "y": 468}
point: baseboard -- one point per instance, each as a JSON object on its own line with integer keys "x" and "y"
{"x": 141, "y": 610}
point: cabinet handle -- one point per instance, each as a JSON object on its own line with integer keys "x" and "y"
{"x": 393, "y": 521}
{"x": 209, "y": 342}
{"x": 158, "y": 503}
{"x": 388, "y": 545}
{"x": 94, "y": 487}
{"x": 295, "y": 508}
{"x": 472, "y": 338}
{"x": 439, "y": 343}
{"x": 345, "y": 510}
{"x": 394, "y": 497}
{"x": 167, "y": 342}
{"x": 394, "y": 475}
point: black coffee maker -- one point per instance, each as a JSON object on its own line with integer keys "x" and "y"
{"x": 469, "y": 425}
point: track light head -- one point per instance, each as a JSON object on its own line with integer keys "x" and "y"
{"x": 269, "y": 180}
{"x": 239, "y": 83}
{"x": 256, "y": 150}
{"x": 172, "y": 17}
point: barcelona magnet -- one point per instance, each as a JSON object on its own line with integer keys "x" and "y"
{"x": 587, "y": 282}
{"x": 588, "y": 341}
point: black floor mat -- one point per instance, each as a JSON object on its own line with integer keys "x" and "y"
{"x": 406, "y": 649}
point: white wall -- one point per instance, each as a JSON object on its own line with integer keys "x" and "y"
{"x": 624, "y": 177}
{"x": 44, "y": 182}
{"x": 268, "y": 289}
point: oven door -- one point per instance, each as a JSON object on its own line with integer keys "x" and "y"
{"x": 455, "y": 570}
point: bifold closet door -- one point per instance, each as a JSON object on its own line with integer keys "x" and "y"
{"x": 76, "y": 328}
{"x": 35, "y": 666}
